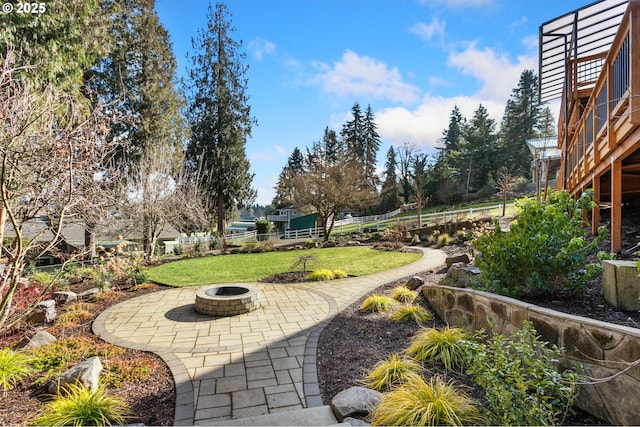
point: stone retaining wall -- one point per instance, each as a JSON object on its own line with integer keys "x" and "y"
{"x": 602, "y": 348}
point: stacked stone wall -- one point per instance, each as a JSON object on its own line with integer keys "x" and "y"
{"x": 603, "y": 349}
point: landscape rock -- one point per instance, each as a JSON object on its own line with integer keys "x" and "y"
{"x": 44, "y": 312}
{"x": 65, "y": 297}
{"x": 450, "y": 260}
{"x": 86, "y": 373}
{"x": 38, "y": 339}
{"x": 89, "y": 294}
{"x": 415, "y": 282}
{"x": 355, "y": 401}
{"x": 460, "y": 270}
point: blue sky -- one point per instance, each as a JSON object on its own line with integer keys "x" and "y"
{"x": 411, "y": 60}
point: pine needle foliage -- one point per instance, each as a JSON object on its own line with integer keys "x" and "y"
{"x": 446, "y": 346}
{"x": 417, "y": 403}
{"x": 403, "y": 294}
{"x": 392, "y": 371}
{"x": 377, "y": 303}
{"x": 80, "y": 406}
{"x": 412, "y": 312}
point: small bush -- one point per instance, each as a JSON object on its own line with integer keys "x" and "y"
{"x": 74, "y": 315}
{"x": 377, "y": 303}
{"x": 339, "y": 274}
{"x": 417, "y": 403}
{"x": 403, "y": 294}
{"x": 14, "y": 366}
{"x": 392, "y": 371}
{"x": 444, "y": 239}
{"x": 520, "y": 379}
{"x": 320, "y": 275}
{"x": 82, "y": 407}
{"x": 415, "y": 313}
{"x": 444, "y": 346}
{"x": 544, "y": 252}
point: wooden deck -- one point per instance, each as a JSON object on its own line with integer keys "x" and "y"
{"x": 599, "y": 126}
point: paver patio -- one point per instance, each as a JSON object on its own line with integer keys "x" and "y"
{"x": 252, "y": 364}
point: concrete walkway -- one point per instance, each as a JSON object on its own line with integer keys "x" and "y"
{"x": 253, "y": 364}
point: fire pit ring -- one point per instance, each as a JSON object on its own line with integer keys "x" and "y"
{"x": 227, "y": 300}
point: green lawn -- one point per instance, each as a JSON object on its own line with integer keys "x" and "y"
{"x": 355, "y": 261}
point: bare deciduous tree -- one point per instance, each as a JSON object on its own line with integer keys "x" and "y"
{"x": 51, "y": 152}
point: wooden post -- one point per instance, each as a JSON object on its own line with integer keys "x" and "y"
{"x": 595, "y": 212}
{"x": 616, "y": 206}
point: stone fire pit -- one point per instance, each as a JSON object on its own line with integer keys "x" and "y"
{"x": 227, "y": 300}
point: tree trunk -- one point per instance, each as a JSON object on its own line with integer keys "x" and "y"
{"x": 222, "y": 228}
{"x": 90, "y": 239}
{"x": 3, "y": 223}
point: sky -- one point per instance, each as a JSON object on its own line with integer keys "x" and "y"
{"x": 412, "y": 61}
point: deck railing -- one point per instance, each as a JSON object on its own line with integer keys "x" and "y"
{"x": 593, "y": 128}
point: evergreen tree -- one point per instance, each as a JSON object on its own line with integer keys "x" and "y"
{"x": 389, "y": 192}
{"x": 519, "y": 123}
{"x": 220, "y": 117}
{"x": 331, "y": 145}
{"x": 62, "y": 42}
{"x": 352, "y": 136}
{"x": 547, "y": 126}
{"x": 371, "y": 144}
{"x": 451, "y": 137}
{"x": 139, "y": 75}
{"x": 284, "y": 193}
{"x": 480, "y": 154}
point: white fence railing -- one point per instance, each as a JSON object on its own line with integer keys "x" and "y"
{"x": 302, "y": 234}
{"x": 363, "y": 219}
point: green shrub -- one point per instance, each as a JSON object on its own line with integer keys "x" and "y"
{"x": 42, "y": 277}
{"x": 412, "y": 312}
{"x": 14, "y": 366}
{"x": 80, "y": 406}
{"x": 320, "y": 275}
{"x": 403, "y": 294}
{"x": 417, "y": 403}
{"x": 391, "y": 371}
{"x": 520, "y": 379}
{"x": 543, "y": 253}
{"x": 377, "y": 303}
{"x": 444, "y": 346}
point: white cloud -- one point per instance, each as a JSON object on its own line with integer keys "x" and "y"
{"x": 428, "y": 31}
{"x": 362, "y": 76}
{"x": 498, "y": 74}
{"x": 423, "y": 125}
{"x": 269, "y": 154}
{"x": 260, "y": 47}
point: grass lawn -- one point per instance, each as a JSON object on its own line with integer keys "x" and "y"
{"x": 355, "y": 261}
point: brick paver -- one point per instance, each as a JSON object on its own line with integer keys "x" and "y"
{"x": 252, "y": 364}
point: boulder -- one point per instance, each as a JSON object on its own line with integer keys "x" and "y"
{"x": 89, "y": 294}
{"x": 450, "y": 260}
{"x": 86, "y": 373}
{"x": 44, "y": 312}
{"x": 355, "y": 401}
{"x": 65, "y": 297}
{"x": 415, "y": 282}
{"x": 38, "y": 339}
{"x": 460, "y": 270}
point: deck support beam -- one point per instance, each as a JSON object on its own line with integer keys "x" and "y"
{"x": 616, "y": 206}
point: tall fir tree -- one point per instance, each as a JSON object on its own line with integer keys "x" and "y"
{"x": 220, "y": 117}
{"x": 519, "y": 123}
{"x": 352, "y": 136}
{"x": 480, "y": 155}
{"x": 284, "y": 193}
{"x": 389, "y": 192}
{"x": 546, "y": 126}
{"x": 139, "y": 74}
{"x": 371, "y": 144}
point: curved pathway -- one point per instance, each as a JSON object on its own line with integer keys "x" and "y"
{"x": 241, "y": 366}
